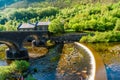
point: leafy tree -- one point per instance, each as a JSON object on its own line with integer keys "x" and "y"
{"x": 2, "y": 28}
{"x": 91, "y": 25}
{"x": 94, "y": 10}
{"x": 117, "y": 26}
{"x": 56, "y": 26}
{"x": 3, "y": 20}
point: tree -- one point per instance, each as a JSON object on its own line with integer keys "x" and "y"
{"x": 117, "y": 26}
{"x": 2, "y": 28}
{"x": 56, "y": 26}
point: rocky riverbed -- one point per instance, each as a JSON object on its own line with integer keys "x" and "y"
{"x": 60, "y": 63}
{"x": 64, "y": 62}
{"x": 44, "y": 68}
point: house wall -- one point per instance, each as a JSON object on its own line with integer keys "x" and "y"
{"x": 43, "y": 27}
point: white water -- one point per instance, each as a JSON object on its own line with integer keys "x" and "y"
{"x": 92, "y": 60}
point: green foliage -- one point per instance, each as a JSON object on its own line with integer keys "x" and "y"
{"x": 77, "y": 15}
{"x": 30, "y": 13}
{"x": 4, "y": 72}
{"x": 117, "y": 27}
{"x": 2, "y": 28}
{"x": 20, "y": 66}
{"x": 91, "y": 25}
{"x": 29, "y": 77}
{"x": 3, "y": 20}
{"x": 102, "y": 37}
{"x": 116, "y": 13}
{"x": 94, "y": 10}
{"x": 16, "y": 66}
{"x": 56, "y": 26}
{"x": 76, "y": 27}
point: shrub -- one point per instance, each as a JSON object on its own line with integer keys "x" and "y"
{"x": 26, "y": 14}
{"x": 94, "y": 10}
{"x": 117, "y": 25}
{"x": 116, "y": 13}
{"x": 2, "y": 28}
{"x": 20, "y": 66}
{"x": 16, "y": 66}
{"x": 91, "y": 25}
{"x": 110, "y": 36}
{"x": 56, "y": 26}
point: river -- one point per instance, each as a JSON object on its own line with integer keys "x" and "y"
{"x": 69, "y": 64}
{"x": 110, "y": 54}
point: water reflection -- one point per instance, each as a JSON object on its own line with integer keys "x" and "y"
{"x": 73, "y": 63}
{"x": 110, "y": 53}
{"x": 2, "y": 55}
{"x": 3, "y": 63}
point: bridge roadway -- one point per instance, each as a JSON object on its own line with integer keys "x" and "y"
{"x": 69, "y": 37}
{"x": 14, "y": 40}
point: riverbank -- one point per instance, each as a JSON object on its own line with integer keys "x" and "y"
{"x": 61, "y": 63}
{"x": 69, "y": 63}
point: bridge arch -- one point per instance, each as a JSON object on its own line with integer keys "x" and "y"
{"x": 14, "y": 51}
{"x": 35, "y": 39}
{"x": 14, "y": 40}
{"x": 31, "y": 38}
{"x": 12, "y": 46}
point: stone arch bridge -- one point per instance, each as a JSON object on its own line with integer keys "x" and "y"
{"x": 14, "y": 40}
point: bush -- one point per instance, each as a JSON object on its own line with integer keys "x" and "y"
{"x": 5, "y": 72}
{"x": 117, "y": 25}
{"x": 56, "y": 26}
{"x": 3, "y": 20}
{"x": 116, "y": 13}
{"x": 2, "y": 28}
{"x": 91, "y": 25}
{"x": 20, "y": 66}
{"x": 26, "y": 14}
{"x": 102, "y": 37}
{"x": 15, "y": 67}
{"x": 94, "y": 10}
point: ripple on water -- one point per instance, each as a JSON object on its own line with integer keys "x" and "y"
{"x": 45, "y": 76}
{"x": 113, "y": 71}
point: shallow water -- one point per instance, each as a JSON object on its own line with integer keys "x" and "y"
{"x": 3, "y": 63}
{"x": 110, "y": 54}
{"x": 70, "y": 68}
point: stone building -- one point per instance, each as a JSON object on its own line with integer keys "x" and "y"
{"x": 37, "y": 26}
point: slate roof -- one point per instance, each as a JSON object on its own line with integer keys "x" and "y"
{"x": 32, "y": 26}
{"x": 26, "y": 25}
{"x": 43, "y": 23}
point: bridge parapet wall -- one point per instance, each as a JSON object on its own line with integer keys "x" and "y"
{"x": 14, "y": 40}
{"x": 67, "y": 37}
{"x": 17, "y": 37}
